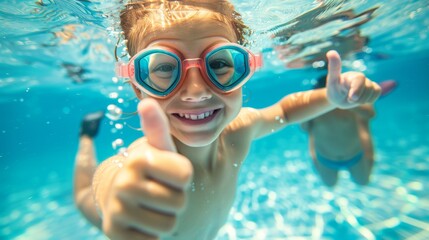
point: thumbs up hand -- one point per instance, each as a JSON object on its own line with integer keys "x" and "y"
{"x": 349, "y": 89}
{"x": 149, "y": 191}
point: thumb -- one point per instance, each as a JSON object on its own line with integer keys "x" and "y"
{"x": 334, "y": 68}
{"x": 154, "y": 125}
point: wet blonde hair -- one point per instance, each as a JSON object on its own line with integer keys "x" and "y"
{"x": 140, "y": 18}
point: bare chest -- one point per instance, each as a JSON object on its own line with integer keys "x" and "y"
{"x": 336, "y": 136}
{"x": 210, "y": 199}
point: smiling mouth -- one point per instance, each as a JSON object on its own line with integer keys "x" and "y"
{"x": 197, "y": 118}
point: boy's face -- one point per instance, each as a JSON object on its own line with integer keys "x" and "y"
{"x": 197, "y": 113}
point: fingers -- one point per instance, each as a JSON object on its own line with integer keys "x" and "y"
{"x": 155, "y": 126}
{"x": 357, "y": 87}
{"x": 334, "y": 68}
{"x": 168, "y": 168}
{"x": 349, "y": 89}
{"x": 370, "y": 96}
{"x": 146, "y": 220}
{"x": 143, "y": 209}
{"x": 156, "y": 196}
{"x": 119, "y": 232}
{"x": 362, "y": 90}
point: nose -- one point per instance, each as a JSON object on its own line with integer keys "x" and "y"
{"x": 194, "y": 88}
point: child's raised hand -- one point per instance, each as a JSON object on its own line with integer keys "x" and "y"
{"x": 349, "y": 89}
{"x": 150, "y": 190}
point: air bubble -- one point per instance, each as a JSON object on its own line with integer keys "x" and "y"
{"x": 359, "y": 65}
{"x": 113, "y": 95}
{"x": 118, "y": 163}
{"x": 117, "y": 143}
{"x": 319, "y": 64}
{"x": 113, "y": 112}
{"x": 278, "y": 118}
{"x": 123, "y": 151}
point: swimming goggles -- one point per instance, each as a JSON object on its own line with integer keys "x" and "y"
{"x": 160, "y": 71}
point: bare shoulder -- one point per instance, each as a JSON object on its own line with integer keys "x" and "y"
{"x": 241, "y": 128}
{"x": 244, "y": 121}
{"x": 238, "y": 135}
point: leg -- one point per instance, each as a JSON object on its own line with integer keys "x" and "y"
{"x": 329, "y": 176}
{"x": 361, "y": 171}
{"x": 85, "y": 165}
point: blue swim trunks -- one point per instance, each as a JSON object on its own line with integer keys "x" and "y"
{"x": 337, "y": 165}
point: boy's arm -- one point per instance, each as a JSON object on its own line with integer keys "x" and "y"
{"x": 103, "y": 179}
{"x": 343, "y": 91}
{"x": 293, "y": 108}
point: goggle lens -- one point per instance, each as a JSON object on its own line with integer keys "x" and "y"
{"x": 226, "y": 67}
{"x": 158, "y": 72}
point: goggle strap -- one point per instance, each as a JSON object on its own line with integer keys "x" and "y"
{"x": 258, "y": 61}
{"x": 122, "y": 70}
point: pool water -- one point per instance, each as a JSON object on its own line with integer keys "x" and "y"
{"x": 46, "y": 87}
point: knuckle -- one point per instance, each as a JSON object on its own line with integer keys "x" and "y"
{"x": 150, "y": 187}
{"x": 185, "y": 176}
{"x": 377, "y": 88}
{"x": 139, "y": 156}
{"x": 123, "y": 181}
{"x": 107, "y": 226}
{"x": 187, "y": 170}
{"x": 111, "y": 229}
{"x": 360, "y": 75}
{"x": 116, "y": 212}
{"x": 141, "y": 161}
{"x": 357, "y": 75}
{"x": 179, "y": 202}
{"x": 169, "y": 224}
{"x": 134, "y": 160}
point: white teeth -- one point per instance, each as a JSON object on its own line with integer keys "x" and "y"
{"x": 196, "y": 116}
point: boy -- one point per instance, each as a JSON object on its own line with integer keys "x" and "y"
{"x": 341, "y": 140}
{"x": 179, "y": 181}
